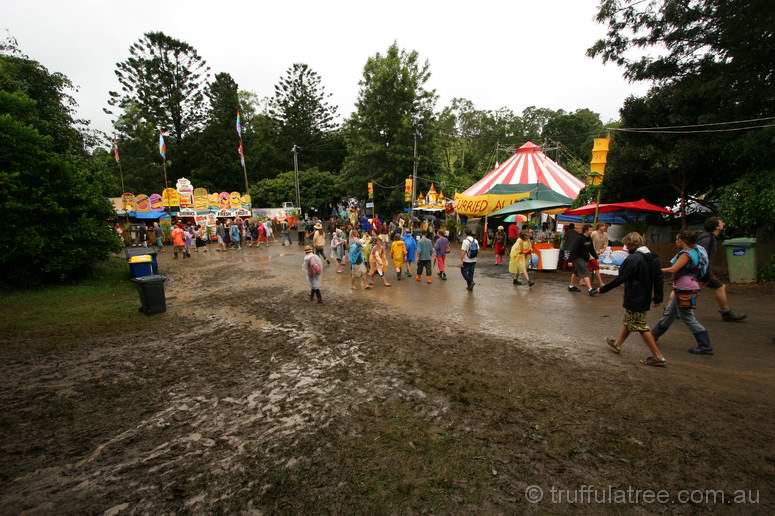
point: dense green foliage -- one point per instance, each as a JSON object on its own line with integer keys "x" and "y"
{"x": 319, "y": 190}
{"x": 50, "y": 189}
{"x": 393, "y": 109}
{"x": 710, "y": 63}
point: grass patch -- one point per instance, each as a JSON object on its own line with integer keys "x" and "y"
{"x": 105, "y": 298}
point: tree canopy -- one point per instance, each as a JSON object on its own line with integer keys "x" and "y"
{"x": 51, "y": 191}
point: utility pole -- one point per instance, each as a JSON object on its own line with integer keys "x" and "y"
{"x": 414, "y": 175}
{"x": 296, "y": 170}
{"x": 497, "y": 153}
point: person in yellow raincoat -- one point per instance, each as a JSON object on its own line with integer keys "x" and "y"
{"x": 398, "y": 254}
{"x": 377, "y": 261}
{"x": 520, "y": 254}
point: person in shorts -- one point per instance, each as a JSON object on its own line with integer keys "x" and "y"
{"x": 581, "y": 252}
{"x": 642, "y": 278}
{"x": 709, "y": 240}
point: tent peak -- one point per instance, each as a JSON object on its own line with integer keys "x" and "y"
{"x": 529, "y": 146}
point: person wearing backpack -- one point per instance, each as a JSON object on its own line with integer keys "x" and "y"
{"x": 469, "y": 250}
{"x": 355, "y": 256}
{"x": 688, "y": 266}
{"x": 709, "y": 241}
{"x": 642, "y": 278}
{"x": 313, "y": 269}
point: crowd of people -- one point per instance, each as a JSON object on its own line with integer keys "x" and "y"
{"x": 372, "y": 250}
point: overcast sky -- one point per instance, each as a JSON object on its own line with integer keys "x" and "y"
{"x": 512, "y": 53}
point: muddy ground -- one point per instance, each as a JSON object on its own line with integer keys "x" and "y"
{"x": 246, "y": 398}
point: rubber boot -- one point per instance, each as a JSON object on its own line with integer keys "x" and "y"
{"x": 418, "y": 278}
{"x": 312, "y": 294}
{"x": 398, "y": 275}
{"x": 319, "y": 296}
{"x": 430, "y": 280}
{"x": 703, "y": 344}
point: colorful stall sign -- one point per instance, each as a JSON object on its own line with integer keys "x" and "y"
{"x": 235, "y": 200}
{"x": 223, "y": 202}
{"x": 481, "y": 205}
{"x": 246, "y": 201}
{"x": 186, "y": 191}
{"x": 142, "y": 203}
{"x": 215, "y": 200}
{"x": 156, "y": 203}
{"x": 170, "y": 197}
{"x": 128, "y": 199}
{"x": 201, "y": 199}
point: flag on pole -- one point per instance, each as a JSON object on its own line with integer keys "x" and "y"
{"x": 239, "y": 126}
{"x": 162, "y": 145}
{"x": 241, "y": 151}
{"x": 115, "y": 151}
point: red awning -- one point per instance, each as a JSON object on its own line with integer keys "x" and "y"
{"x": 642, "y": 206}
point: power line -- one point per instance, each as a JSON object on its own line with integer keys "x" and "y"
{"x": 694, "y": 125}
{"x": 632, "y": 131}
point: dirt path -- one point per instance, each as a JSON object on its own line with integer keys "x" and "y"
{"x": 414, "y": 399}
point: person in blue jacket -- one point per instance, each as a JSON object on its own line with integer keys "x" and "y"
{"x": 411, "y": 250}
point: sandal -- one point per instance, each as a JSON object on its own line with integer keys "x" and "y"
{"x": 656, "y": 362}
{"x": 612, "y": 343}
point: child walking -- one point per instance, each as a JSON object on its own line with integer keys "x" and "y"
{"x": 641, "y": 276}
{"x": 313, "y": 268}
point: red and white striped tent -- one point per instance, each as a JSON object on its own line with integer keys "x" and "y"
{"x": 529, "y": 165}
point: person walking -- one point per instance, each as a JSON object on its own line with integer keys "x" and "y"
{"x": 600, "y": 242}
{"x": 398, "y": 254}
{"x": 358, "y": 269}
{"x": 201, "y": 238}
{"x": 442, "y": 249}
{"x": 285, "y": 232}
{"x": 643, "y": 285}
{"x": 687, "y": 267}
{"x": 313, "y": 269}
{"x": 377, "y": 261}
{"x": 188, "y": 239}
{"x": 469, "y": 250}
{"x": 319, "y": 242}
{"x": 220, "y": 234}
{"x": 580, "y": 252}
{"x": 411, "y": 250}
{"x": 424, "y": 257}
{"x": 499, "y": 243}
{"x": 337, "y": 248}
{"x": 301, "y": 229}
{"x": 709, "y": 241}
{"x": 569, "y": 236}
{"x": 269, "y": 232}
{"x": 234, "y": 233}
{"x": 518, "y": 258}
{"x": 178, "y": 241}
{"x": 159, "y": 236}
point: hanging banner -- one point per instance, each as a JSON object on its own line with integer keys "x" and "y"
{"x": 142, "y": 203}
{"x": 408, "y": 189}
{"x": 201, "y": 199}
{"x": 128, "y": 200}
{"x": 170, "y": 197}
{"x": 156, "y": 201}
{"x": 482, "y": 205}
{"x": 246, "y": 201}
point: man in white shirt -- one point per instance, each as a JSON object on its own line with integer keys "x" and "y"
{"x": 468, "y": 253}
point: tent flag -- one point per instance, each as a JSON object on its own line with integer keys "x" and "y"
{"x": 241, "y": 151}
{"x": 115, "y": 152}
{"x": 239, "y": 126}
{"x": 162, "y": 145}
